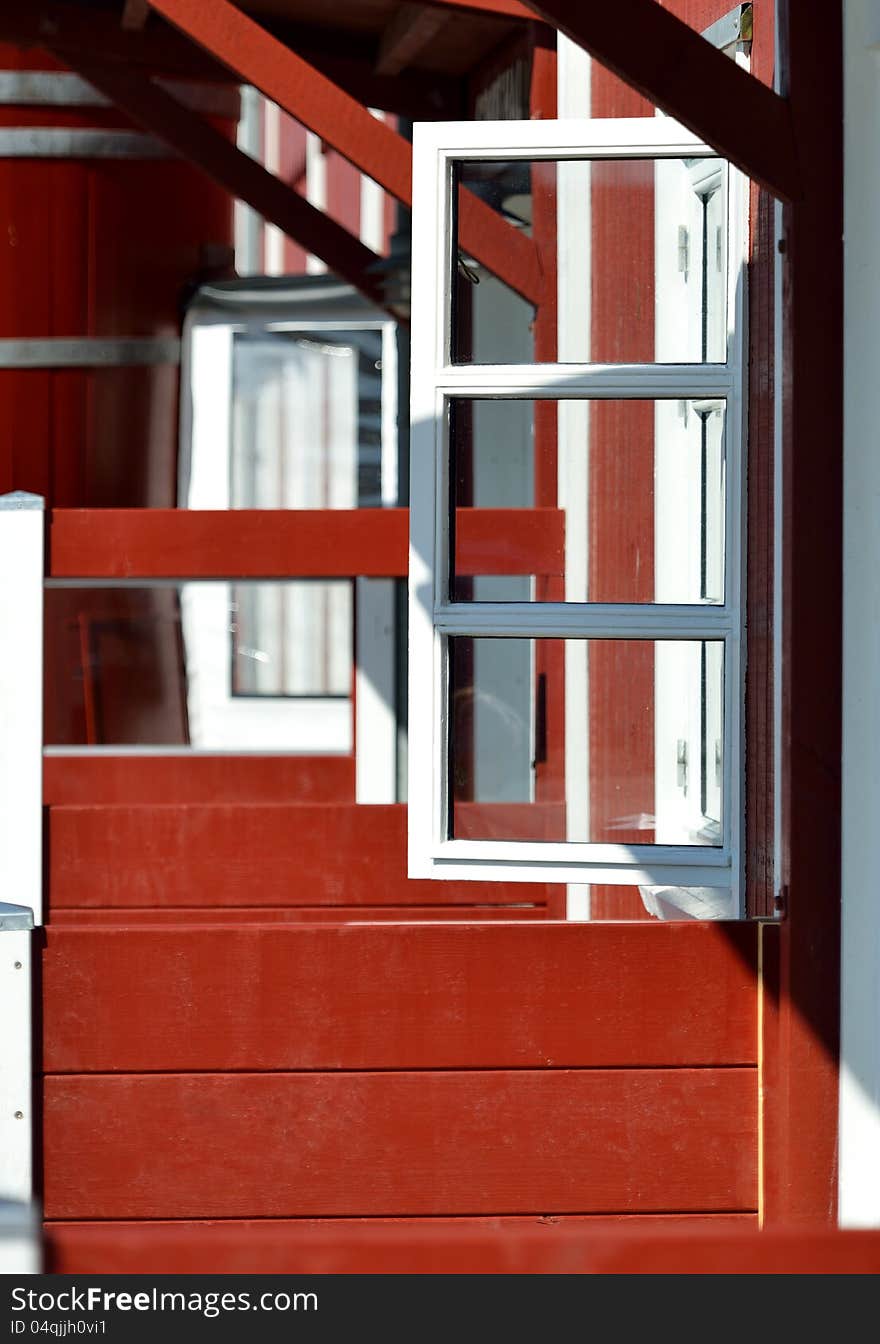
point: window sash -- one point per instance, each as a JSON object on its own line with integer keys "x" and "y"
{"x": 434, "y": 618}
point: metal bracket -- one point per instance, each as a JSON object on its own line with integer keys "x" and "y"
{"x": 15, "y": 917}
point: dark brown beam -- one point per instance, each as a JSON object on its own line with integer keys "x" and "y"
{"x": 802, "y": 1176}
{"x": 135, "y": 15}
{"x": 409, "y": 32}
{"x": 99, "y": 35}
{"x": 421, "y": 95}
{"x": 503, "y": 9}
{"x": 195, "y": 139}
{"x": 371, "y": 146}
{"x": 672, "y": 65}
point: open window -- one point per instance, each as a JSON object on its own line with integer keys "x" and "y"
{"x": 576, "y": 618}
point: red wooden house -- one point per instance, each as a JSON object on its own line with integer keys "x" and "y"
{"x": 556, "y": 292}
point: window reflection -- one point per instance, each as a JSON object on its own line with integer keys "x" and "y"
{"x": 649, "y": 733}
{"x": 208, "y": 665}
{"x": 637, "y": 249}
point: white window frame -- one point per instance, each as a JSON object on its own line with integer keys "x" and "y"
{"x": 433, "y": 618}
{"x": 325, "y": 725}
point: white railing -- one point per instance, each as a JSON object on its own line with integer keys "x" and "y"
{"x": 22, "y": 539}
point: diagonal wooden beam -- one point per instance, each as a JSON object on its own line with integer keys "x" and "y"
{"x": 370, "y": 145}
{"x": 161, "y": 49}
{"x": 412, "y": 28}
{"x": 670, "y": 63}
{"x": 194, "y": 138}
{"x": 101, "y": 36}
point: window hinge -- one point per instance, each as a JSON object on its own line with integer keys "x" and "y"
{"x": 681, "y": 762}
{"x": 684, "y": 248}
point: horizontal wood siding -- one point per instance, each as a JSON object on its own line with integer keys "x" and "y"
{"x": 189, "y": 778}
{"x": 381, "y": 1071}
{"x": 407, "y": 1143}
{"x": 398, "y": 997}
{"x": 547, "y": 1245}
{"x": 341, "y": 855}
{"x": 306, "y": 914}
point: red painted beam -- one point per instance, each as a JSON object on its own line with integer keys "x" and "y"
{"x": 339, "y": 854}
{"x": 115, "y": 780}
{"x": 429, "y": 1142}
{"x": 675, "y": 67}
{"x": 197, "y": 140}
{"x": 453, "y": 996}
{"x": 670, "y": 1244}
{"x": 268, "y": 543}
{"x": 373, "y": 147}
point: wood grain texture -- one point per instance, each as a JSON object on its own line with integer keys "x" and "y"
{"x": 262, "y": 856}
{"x": 398, "y": 997}
{"x": 360, "y": 1144}
{"x": 549, "y": 1245}
{"x": 287, "y": 543}
{"x": 308, "y": 914}
{"x": 647, "y": 1244}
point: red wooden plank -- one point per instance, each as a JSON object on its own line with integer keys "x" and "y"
{"x": 444, "y": 1246}
{"x": 398, "y": 996}
{"x": 373, "y": 147}
{"x": 269, "y": 543}
{"x": 90, "y": 780}
{"x": 238, "y": 543}
{"x": 242, "y": 176}
{"x": 626, "y": 1244}
{"x": 308, "y": 914}
{"x": 359, "y": 1144}
{"x": 337, "y": 854}
{"x": 656, "y": 53}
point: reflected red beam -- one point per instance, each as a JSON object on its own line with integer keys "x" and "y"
{"x": 264, "y": 543}
{"x": 667, "y": 61}
{"x": 327, "y": 110}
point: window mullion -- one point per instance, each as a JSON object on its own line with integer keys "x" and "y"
{"x": 559, "y": 382}
{"x": 583, "y": 620}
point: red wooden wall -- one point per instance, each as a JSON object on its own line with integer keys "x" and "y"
{"x": 556, "y": 1074}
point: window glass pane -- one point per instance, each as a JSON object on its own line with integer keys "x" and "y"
{"x": 211, "y": 665}
{"x": 637, "y": 249}
{"x": 306, "y": 428}
{"x": 601, "y": 501}
{"x": 644, "y": 721}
